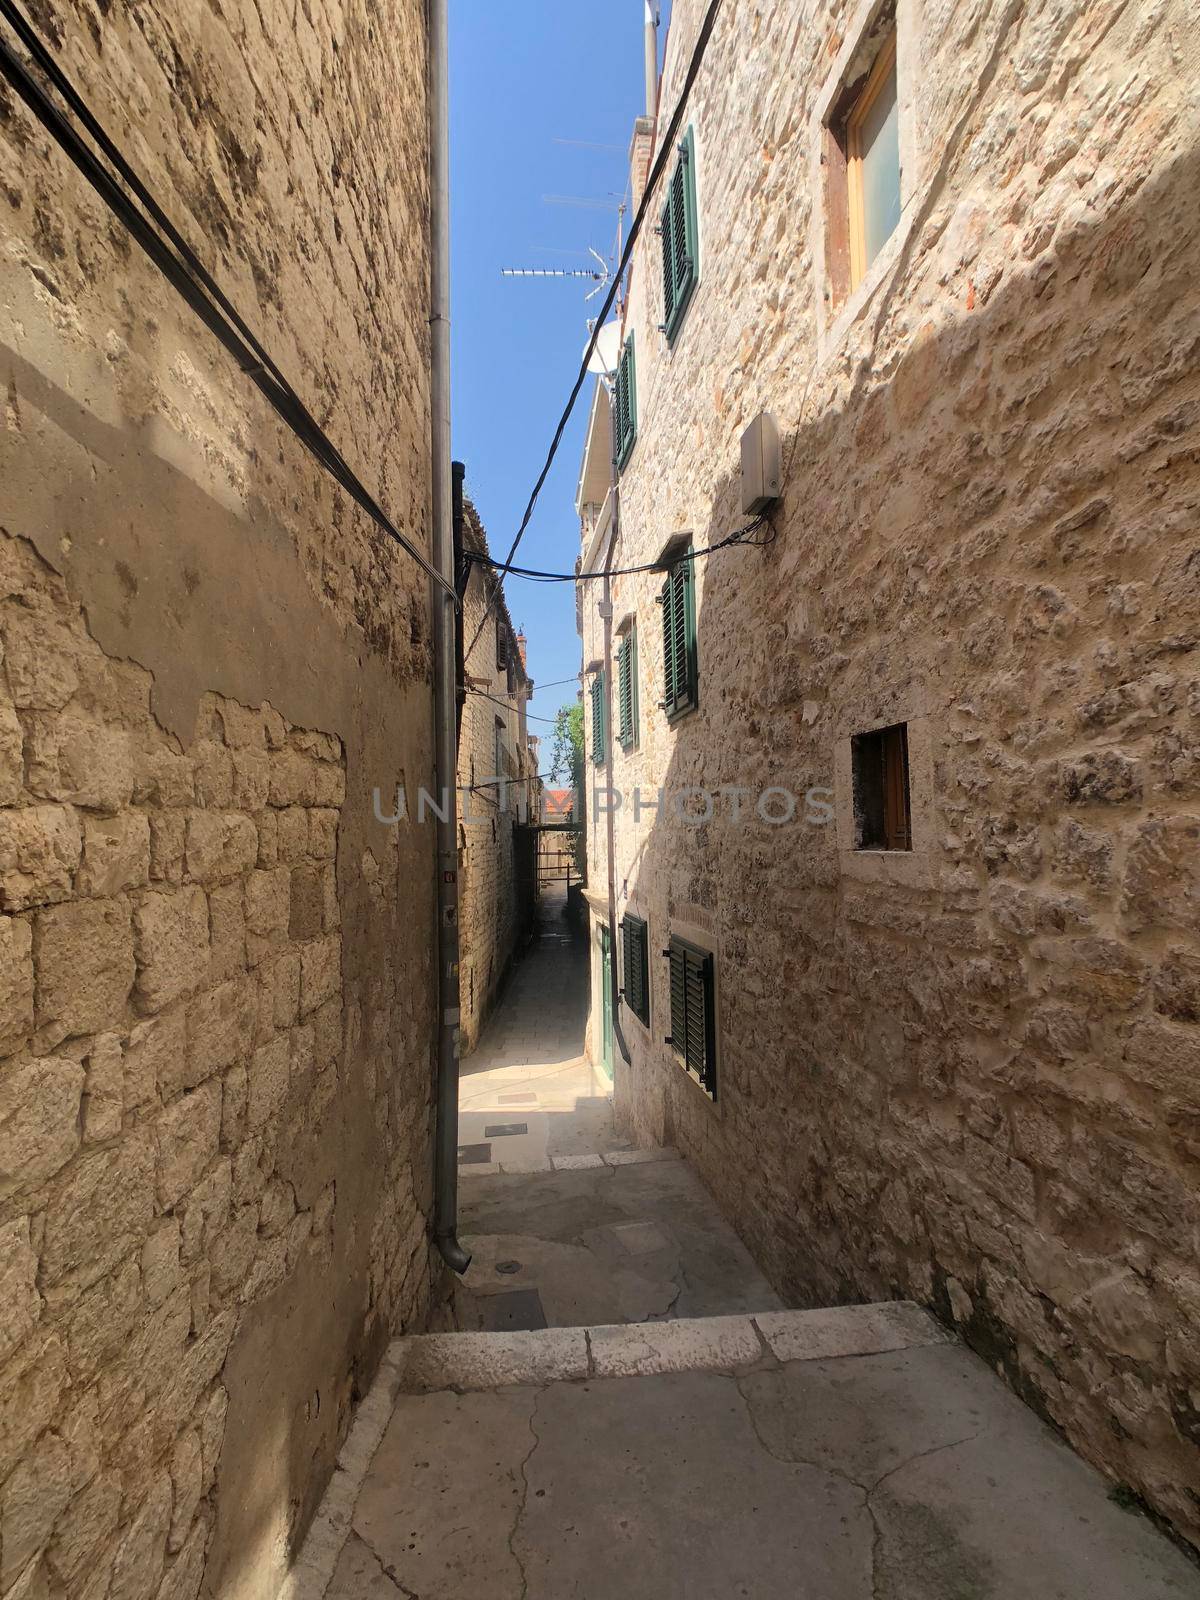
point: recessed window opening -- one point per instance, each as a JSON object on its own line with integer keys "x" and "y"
{"x": 882, "y": 806}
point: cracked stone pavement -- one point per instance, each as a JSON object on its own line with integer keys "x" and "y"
{"x": 852, "y": 1454}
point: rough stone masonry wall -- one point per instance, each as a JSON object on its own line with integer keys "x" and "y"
{"x": 215, "y": 964}
{"x": 494, "y": 904}
{"x": 973, "y": 1076}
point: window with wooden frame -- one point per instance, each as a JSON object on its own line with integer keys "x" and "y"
{"x": 679, "y": 232}
{"x": 627, "y": 690}
{"x": 680, "y": 677}
{"x": 635, "y": 962}
{"x": 501, "y": 646}
{"x": 599, "y": 721}
{"x": 882, "y": 806}
{"x": 625, "y": 404}
{"x": 862, "y": 163}
{"x": 693, "y": 1012}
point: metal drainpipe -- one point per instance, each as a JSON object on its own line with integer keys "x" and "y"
{"x": 445, "y": 650}
{"x": 609, "y": 820}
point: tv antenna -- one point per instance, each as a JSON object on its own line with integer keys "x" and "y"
{"x": 599, "y": 274}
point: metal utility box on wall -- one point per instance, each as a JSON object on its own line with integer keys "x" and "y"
{"x": 762, "y": 464}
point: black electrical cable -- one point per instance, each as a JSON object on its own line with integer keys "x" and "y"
{"x": 497, "y": 702}
{"x": 665, "y": 151}
{"x": 170, "y": 252}
{"x": 738, "y": 538}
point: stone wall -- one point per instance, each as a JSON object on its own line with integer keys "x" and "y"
{"x": 216, "y": 1082}
{"x": 496, "y": 864}
{"x": 968, "y": 1075}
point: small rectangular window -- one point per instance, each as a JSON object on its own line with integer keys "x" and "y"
{"x": 636, "y": 967}
{"x": 625, "y": 404}
{"x": 679, "y": 232}
{"x": 882, "y": 809}
{"x": 627, "y": 691}
{"x": 693, "y": 1037}
{"x": 678, "y": 601}
{"x": 599, "y": 719}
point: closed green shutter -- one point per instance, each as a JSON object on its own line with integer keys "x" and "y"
{"x": 635, "y": 957}
{"x": 627, "y": 708}
{"x": 599, "y": 753}
{"x": 692, "y": 1012}
{"x": 677, "y": 598}
{"x": 625, "y": 404}
{"x": 680, "y": 244}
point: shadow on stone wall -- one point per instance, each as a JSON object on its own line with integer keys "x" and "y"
{"x": 981, "y": 1094}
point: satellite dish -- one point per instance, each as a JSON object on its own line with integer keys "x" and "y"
{"x": 603, "y": 358}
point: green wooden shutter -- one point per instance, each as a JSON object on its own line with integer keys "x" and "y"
{"x": 598, "y": 750}
{"x": 635, "y": 958}
{"x": 625, "y": 404}
{"x": 693, "y": 1036}
{"x": 680, "y": 238}
{"x": 627, "y": 691}
{"x": 680, "y": 687}
{"x": 678, "y": 957}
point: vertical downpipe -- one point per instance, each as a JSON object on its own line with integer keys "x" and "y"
{"x": 606, "y": 613}
{"x": 445, "y": 650}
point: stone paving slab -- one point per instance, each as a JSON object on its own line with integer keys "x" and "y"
{"x": 715, "y": 1470}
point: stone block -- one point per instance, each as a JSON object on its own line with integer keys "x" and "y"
{"x": 220, "y": 1028}
{"x": 292, "y": 834}
{"x": 32, "y": 1383}
{"x": 220, "y": 845}
{"x": 40, "y": 660}
{"x": 168, "y": 834}
{"x": 39, "y": 1120}
{"x": 30, "y": 1504}
{"x": 161, "y": 1270}
{"x": 294, "y": 779}
{"x": 102, "y": 1212}
{"x": 95, "y": 763}
{"x": 1165, "y": 1056}
{"x": 103, "y": 1321}
{"x": 16, "y": 982}
{"x": 12, "y": 755}
{"x": 269, "y": 1075}
{"x": 83, "y": 966}
{"x": 155, "y": 1058}
{"x": 183, "y": 1577}
{"x": 1161, "y": 885}
{"x": 116, "y": 854}
{"x": 188, "y": 1135}
{"x": 20, "y": 1303}
{"x": 227, "y": 929}
{"x": 251, "y": 779}
{"x": 268, "y": 907}
{"x": 163, "y": 777}
{"x": 172, "y": 945}
{"x": 286, "y": 979}
{"x": 138, "y": 1567}
{"x": 320, "y": 972}
{"x": 187, "y": 1475}
{"x": 86, "y": 1526}
{"x": 104, "y": 1090}
{"x": 692, "y": 1344}
{"x": 322, "y": 833}
{"x": 40, "y": 850}
{"x": 235, "y": 1090}
{"x": 306, "y": 919}
{"x": 212, "y": 768}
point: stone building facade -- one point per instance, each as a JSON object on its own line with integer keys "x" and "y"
{"x": 963, "y": 1063}
{"x": 497, "y": 839}
{"x": 217, "y": 965}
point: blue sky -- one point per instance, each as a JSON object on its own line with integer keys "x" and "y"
{"x": 523, "y": 76}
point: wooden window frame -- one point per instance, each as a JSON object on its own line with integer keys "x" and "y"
{"x": 635, "y": 966}
{"x": 885, "y": 61}
{"x": 693, "y": 966}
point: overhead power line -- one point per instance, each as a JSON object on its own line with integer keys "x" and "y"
{"x": 665, "y": 151}
{"x": 128, "y": 198}
{"x": 741, "y": 537}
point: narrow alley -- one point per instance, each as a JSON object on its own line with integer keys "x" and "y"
{"x": 623, "y": 1406}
